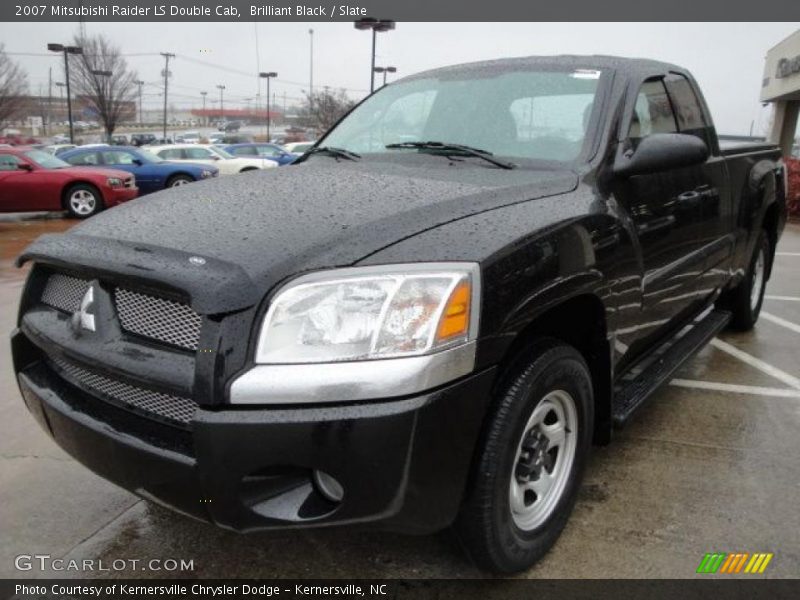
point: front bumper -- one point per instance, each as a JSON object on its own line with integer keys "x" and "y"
{"x": 403, "y": 463}
{"x": 115, "y": 196}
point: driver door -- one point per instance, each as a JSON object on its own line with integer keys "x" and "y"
{"x": 665, "y": 209}
{"x": 17, "y": 185}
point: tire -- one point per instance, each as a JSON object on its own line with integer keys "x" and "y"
{"x": 745, "y": 300}
{"x": 177, "y": 180}
{"x": 83, "y": 200}
{"x": 503, "y": 528}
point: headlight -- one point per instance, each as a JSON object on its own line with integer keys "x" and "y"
{"x": 206, "y": 174}
{"x": 372, "y": 312}
{"x": 114, "y": 182}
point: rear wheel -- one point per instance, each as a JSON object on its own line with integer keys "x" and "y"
{"x": 177, "y": 180}
{"x": 531, "y": 460}
{"x": 745, "y": 300}
{"x": 83, "y": 200}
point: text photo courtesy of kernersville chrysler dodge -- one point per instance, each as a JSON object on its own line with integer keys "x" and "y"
{"x": 461, "y": 306}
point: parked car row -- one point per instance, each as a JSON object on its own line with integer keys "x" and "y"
{"x": 86, "y": 179}
{"x": 212, "y": 155}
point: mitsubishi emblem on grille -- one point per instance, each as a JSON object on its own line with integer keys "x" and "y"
{"x": 83, "y": 318}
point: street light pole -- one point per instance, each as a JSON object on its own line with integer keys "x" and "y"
{"x": 205, "y": 118}
{"x": 167, "y": 56}
{"x": 385, "y": 70}
{"x": 377, "y": 26}
{"x": 67, "y": 50}
{"x": 221, "y": 105}
{"x": 268, "y": 76}
{"x": 140, "y": 83}
{"x": 310, "y": 70}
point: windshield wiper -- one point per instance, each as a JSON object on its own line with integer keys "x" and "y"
{"x": 333, "y": 151}
{"x": 446, "y": 148}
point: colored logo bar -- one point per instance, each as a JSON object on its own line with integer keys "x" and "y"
{"x": 735, "y": 562}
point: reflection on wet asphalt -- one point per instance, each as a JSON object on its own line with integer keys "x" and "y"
{"x": 698, "y": 470}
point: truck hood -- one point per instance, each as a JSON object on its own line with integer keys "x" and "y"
{"x": 253, "y": 230}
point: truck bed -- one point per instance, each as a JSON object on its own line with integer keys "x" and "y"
{"x": 735, "y": 147}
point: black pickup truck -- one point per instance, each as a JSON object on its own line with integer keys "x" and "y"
{"x": 426, "y": 322}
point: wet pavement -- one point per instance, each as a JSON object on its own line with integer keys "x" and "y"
{"x": 709, "y": 465}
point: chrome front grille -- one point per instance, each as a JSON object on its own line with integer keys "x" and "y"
{"x": 165, "y": 406}
{"x": 164, "y": 320}
{"x": 64, "y": 292}
{"x": 158, "y": 318}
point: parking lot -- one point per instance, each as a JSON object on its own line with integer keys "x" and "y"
{"x": 710, "y": 465}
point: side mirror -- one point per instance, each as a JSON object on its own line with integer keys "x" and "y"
{"x": 137, "y": 162}
{"x": 24, "y": 167}
{"x": 661, "y": 152}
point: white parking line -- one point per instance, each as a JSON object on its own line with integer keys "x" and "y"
{"x": 752, "y": 390}
{"x": 757, "y": 363}
{"x": 787, "y": 254}
{"x": 783, "y": 298}
{"x": 782, "y": 322}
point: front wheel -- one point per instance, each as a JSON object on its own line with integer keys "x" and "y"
{"x": 177, "y": 180}
{"x": 531, "y": 459}
{"x": 83, "y": 200}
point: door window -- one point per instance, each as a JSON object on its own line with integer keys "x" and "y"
{"x": 117, "y": 157}
{"x": 688, "y": 110}
{"x": 171, "y": 154}
{"x": 88, "y": 158}
{"x": 652, "y": 112}
{"x": 198, "y": 154}
{"x": 268, "y": 151}
{"x": 9, "y": 162}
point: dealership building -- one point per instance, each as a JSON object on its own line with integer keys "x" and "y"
{"x": 781, "y": 87}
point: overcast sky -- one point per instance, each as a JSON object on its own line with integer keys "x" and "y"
{"x": 726, "y": 58}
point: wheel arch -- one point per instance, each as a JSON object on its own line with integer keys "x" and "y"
{"x": 172, "y": 176}
{"x": 70, "y": 184}
{"x": 580, "y": 321}
{"x": 764, "y": 183}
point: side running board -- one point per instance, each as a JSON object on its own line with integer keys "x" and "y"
{"x": 657, "y": 368}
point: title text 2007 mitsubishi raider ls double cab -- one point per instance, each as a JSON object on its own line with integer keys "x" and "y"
{"x": 426, "y": 322}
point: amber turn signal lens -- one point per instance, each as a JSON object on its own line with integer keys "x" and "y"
{"x": 455, "y": 318}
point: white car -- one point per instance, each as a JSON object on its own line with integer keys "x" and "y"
{"x": 191, "y": 137}
{"x": 210, "y": 155}
{"x": 298, "y": 147}
{"x": 57, "y": 149}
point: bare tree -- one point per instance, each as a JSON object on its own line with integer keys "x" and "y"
{"x": 322, "y": 109}
{"x": 101, "y": 77}
{"x": 13, "y": 87}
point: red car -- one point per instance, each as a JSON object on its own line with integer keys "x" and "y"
{"x": 33, "y": 180}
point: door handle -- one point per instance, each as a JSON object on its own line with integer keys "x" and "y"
{"x": 692, "y": 196}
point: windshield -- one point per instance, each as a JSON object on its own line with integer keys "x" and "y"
{"x": 539, "y": 115}
{"x": 148, "y": 156}
{"x": 45, "y": 159}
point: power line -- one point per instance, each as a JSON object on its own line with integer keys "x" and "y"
{"x": 228, "y": 69}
